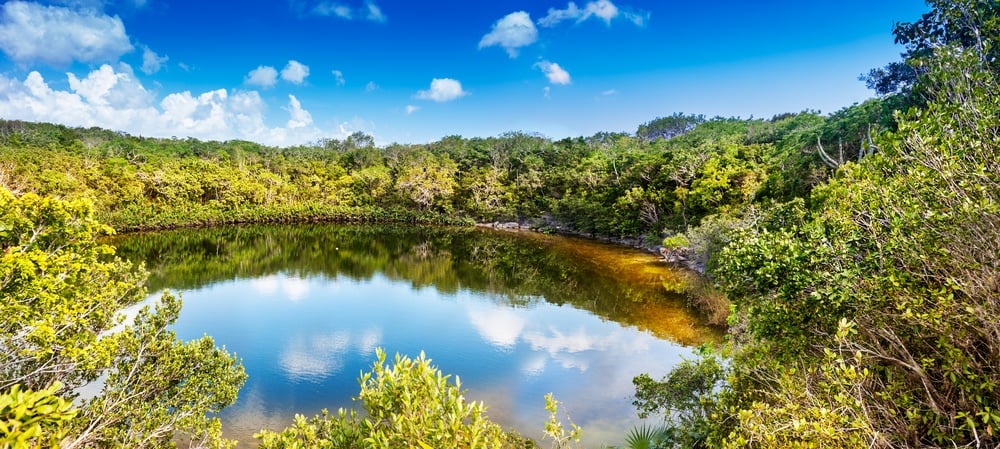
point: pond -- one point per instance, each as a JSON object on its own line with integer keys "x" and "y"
{"x": 513, "y": 315}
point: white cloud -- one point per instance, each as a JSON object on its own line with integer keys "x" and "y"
{"x": 315, "y": 357}
{"x": 114, "y": 99}
{"x": 547, "y": 90}
{"x": 104, "y": 97}
{"x": 339, "y": 76}
{"x": 57, "y": 35}
{"x": 368, "y": 341}
{"x": 499, "y": 325}
{"x": 558, "y": 15}
{"x": 293, "y": 288}
{"x": 601, "y": 9}
{"x": 152, "y": 62}
{"x": 609, "y": 92}
{"x": 513, "y": 31}
{"x": 333, "y": 9}
{"x": 638, "y": 18}
{"x": 264, "y": 76}
{"x": 578, "y": 341}
{"x": 374, "y": 12}
{"x": 442, "y": 90}
{"x": 555, "y": 74}
{"x": 295, "y": 72}
{"x": 300, "y": 118}
{"x": 371, "y": 86}
{"x": 191, "y": 115}
{"x": 105, "y": 87}
{"x": 266, "y": 285}
{"x": 411, "y": 109}
{"x": 369, "y": 11}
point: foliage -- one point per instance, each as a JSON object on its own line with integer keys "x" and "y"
{"x": 61, "y": 288}
{"x": 685, "y": 398}
{"x": 428, "y": 180}
{"x": 554, "y": 429}
{"x": 668, "y": 127}
{"x": 877, "y": 309}
{"x": 646, "y": 437}
{"x": 34, "y": 419}
{"x": 966, "y": 24}
{"x": 159, "y": 388}
{"x": 866, "y": 316}
{"x": 63, "y": 294}
{"x": 810, "y": 405}
{"x": 408, "y": 403}
{"x": 676, "y": 241}
{"x": 608, "y": 184}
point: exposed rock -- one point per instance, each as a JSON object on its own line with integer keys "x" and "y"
{"x": 682, "y": 257}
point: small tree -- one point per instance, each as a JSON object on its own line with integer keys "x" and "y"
{"x": 62, "y": 297}
{"x": 408, "y": 403}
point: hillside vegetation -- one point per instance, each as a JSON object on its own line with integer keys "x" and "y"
{"x": 859, "y": 251}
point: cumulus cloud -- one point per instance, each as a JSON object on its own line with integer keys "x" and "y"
{"x": 264, "y": 76}
{"x": 368, "y": 11}
{"x": 105, "y": 87}
{"x": 58, "y": 35}
{"x": 513, "y": 31}
{"x": 152, "y": 62}
{"x": 411, "y": 109}
{"x": 295, "y": 72}
{"x": 442, "y": 90}
{"x": 300, "y": 118}
{"x": 600, "y": 9}
{"x": 552, "y": 71}
{"x": 95, "y": 99}
{"x": 339, "y": 76}
{"x": 114, "y": 99}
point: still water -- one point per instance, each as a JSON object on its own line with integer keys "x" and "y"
{"x": 514, "y": 316}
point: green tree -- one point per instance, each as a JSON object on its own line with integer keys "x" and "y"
{"x": 34, "y": 419}
{"x": 63, "y": 296}
{"x": 967, "y": 24}
{"x": 668, "y": 127}
{"x": 488, "y": 195}
{"x": 898, "y": 261}
{"x": 428, "y": 180}
{"x": 406, "y": 403}
{"x": 686, "y": 398}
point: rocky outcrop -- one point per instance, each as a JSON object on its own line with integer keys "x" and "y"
{"x": 682, "y": 257}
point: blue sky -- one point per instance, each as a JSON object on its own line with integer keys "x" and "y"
{"x": 293, "y": 71}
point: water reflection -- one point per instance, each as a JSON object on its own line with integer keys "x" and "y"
{"x": 500, "y": 326}
{"x": 515, "y": 317}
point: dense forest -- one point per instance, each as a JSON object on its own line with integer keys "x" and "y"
{"x": 859, "y": 252}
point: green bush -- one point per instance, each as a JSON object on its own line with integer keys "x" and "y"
{"x": 408, "y": 403}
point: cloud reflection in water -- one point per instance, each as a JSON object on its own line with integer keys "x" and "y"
{"x": 304, "y": 342}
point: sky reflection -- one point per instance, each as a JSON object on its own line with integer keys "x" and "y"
{"x": 304, "y": 342}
